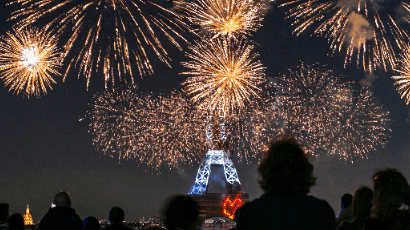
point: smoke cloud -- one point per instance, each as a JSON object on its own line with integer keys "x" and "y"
{"x": 358, "y": 4}
{"x": 351, "y": 4}
{"x": 358, "y": 30}
{"x": 368, "y": 80}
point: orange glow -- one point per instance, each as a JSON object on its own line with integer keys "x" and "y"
{"x": 230, "y": 206}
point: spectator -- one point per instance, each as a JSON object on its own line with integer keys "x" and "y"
{"x": 181, "y": 212}
{"x": 16, "y": 222}
{"x": 391, "y": 201}
{"x": 91, "y": 223}
{"x": 62, "y": 216}
{"x": 286, "y": 178}
{"x": 116, "y": 217}
{"x": 346, "y": 213}
{"x": 362, "y": 203}
{"x": 4, "y": 215}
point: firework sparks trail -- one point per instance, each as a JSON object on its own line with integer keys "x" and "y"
{"x": 244, "y": 131}
{"x": 114, "y": 37}
{"x": 307, "y": 93}
{"x": 365, "y": 28}
{"x": 250, "y": 129}
{"x": 325, "y": 113}
{"x": 403, "y": 80}
{"x": 224, "y": 74}
{"x": 168, "y": 131}
{"x": 28, "y": 59}
{"x": 155, "y": 131}
{"x": 232, "y": 18}
{"x": 363, "y": 126}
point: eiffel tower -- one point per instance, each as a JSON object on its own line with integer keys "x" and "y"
{"x": 214, "y": 204}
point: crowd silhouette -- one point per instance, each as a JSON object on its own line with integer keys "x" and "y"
{"x": 346, "y": 213}
{"x": 286, "y": 176}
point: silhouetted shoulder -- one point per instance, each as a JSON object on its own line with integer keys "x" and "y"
{"x": 400, "y": 221}
{"x": 286, "y": 212}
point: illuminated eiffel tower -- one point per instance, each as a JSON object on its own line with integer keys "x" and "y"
{"x": 219, "y": 154}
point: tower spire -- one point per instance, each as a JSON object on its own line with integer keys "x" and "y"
{"x": 28, "y": 219}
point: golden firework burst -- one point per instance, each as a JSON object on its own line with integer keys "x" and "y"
{"x": 365, "y": 29}
{"x": 226, "y": 17}
{"x": 29, "y": 59}
{"x": 307, "y": 93}
{"x": 363, "y": 126}
{"x": 329, "y": 116}
{"x": 159, "y": 131}
{"x": 224, "y": 74}
{"x": 115, "y": 38}
{"x": 403, "y": 80}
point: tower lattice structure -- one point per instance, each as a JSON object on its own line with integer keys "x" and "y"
{"x": 217, "y": 204}
{"x": 221, "y": 155}
{"x": 216, "y": 157}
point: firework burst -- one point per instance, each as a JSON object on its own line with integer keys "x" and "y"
{"x": 153, "y": 130}
{"x": 168, "y": 131}
{"x": 225, "y": 75}
{"x": 225, "y": 17}
{"x": 244, "y": 131}
{"x": 308, "y": 94}
{"x": 114, "y": 37}
{"x": 365, "y": 28}
{"x": 362, "y": 127}
{"x": 28, "y": 60}
{"x": 403, "y": 80}
{"x": 250, "y": 129}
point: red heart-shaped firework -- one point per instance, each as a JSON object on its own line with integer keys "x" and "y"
{"x": 230, "y": 206}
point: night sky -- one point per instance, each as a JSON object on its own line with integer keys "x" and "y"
{"x": 45, "y": 148}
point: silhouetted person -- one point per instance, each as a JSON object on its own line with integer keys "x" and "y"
{"x": 362, "y": 203}
{"x": 116, "y": 217}
{"x": 391, "y": 202}
{"x": 91, "y": 223}
{"x": 4, "y": 215}
{"x": 286, "y": 178}
{"x": 181, "y": 212}
{"x": 346, "y": 213}
{"x": 62, "y": 216}
{"x": 346, "y": 200}
{"x": 16, "y": 222}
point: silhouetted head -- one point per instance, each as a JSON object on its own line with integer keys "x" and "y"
{"x": 62, "y": 199}
{"x": 116, "y": 215}
{"x": 91, "y": 223}
{"x": 346, "y": 200}
{"x": 391, "y": 191}
{"x": 181, "y": 212}
{"x": 16, "y": 222}
{"x": 362, "y": 203}
{"x": 4, "y": 212}
{"x": 285, "y": 168}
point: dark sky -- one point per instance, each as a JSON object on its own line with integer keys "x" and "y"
{"x": 44, "y": 148}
